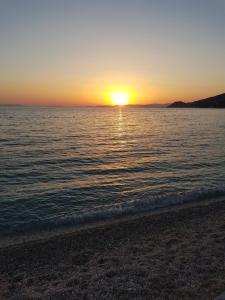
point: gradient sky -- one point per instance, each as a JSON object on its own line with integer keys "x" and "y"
{"x": 70, "y": 52}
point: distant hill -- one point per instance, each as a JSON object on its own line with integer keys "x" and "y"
{"x": 153, "y": 105}
{"x": 3, "y": 104}
{"x": 211, "y": 102}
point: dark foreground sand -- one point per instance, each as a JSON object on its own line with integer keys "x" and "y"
{"x": 176, "y": 254}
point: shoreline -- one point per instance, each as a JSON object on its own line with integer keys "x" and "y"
{"x": 44, "y": 235}
{"x": 175, "y": 253}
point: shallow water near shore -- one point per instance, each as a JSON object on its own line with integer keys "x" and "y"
{"x": 64, "y": 166}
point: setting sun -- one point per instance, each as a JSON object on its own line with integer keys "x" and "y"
{"x": 120, "y": 98}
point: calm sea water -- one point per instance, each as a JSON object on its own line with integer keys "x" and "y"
{"x": 63, "y": 166}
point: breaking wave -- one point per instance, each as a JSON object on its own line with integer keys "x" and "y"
{"x": 141, "y": 206}
{"x": 117, "y": 211}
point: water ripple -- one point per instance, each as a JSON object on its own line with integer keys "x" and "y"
{"x": 63, "y": 166}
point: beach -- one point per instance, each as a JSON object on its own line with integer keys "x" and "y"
{"x": 175, "y": 253}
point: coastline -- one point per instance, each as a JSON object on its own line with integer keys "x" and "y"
{"x": 175, "y": 253}
{"x": 114, "y": 215}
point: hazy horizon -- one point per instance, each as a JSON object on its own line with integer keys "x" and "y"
{"x": 160, "y": 104}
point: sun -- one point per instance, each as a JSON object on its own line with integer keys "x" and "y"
{"x": 119, "y": 95}
{"x": 120, "y": 98}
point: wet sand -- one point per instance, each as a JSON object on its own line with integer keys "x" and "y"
{"x": 170, "y": 254}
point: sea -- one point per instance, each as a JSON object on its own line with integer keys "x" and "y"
{"x": 63, "y": 167}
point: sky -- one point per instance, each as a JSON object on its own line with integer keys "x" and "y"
{"x": 73, "y": 52}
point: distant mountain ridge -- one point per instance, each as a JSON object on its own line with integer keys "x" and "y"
{"x": 211, "y": 102}
{"x": 152, "y": 105}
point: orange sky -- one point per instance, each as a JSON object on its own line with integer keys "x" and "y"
{"x": 74, "y": 52}
{"x": 97, "y": 92}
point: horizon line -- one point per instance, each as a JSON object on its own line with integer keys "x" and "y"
{"x": 159, "y": 104}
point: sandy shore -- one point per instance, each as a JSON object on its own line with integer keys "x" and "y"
{"x": 175, "y": 254}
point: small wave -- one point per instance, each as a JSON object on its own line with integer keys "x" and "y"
{"x": 116, "y": 211}
{"x": 140, "y": 206}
